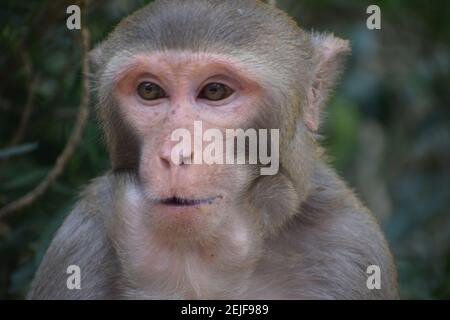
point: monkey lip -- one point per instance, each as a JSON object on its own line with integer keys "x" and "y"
{"x": 185, "y": 202}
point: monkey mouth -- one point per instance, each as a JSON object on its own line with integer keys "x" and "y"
{"x": 185, "y": 202}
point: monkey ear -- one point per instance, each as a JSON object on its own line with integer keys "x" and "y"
{"x": 330, "y": 52}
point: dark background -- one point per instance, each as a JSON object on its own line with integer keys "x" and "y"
{"x": 387, "y": 129}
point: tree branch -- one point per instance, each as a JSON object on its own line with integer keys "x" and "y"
{"x": 61, "y": 161}
{"x": 26, "y": 113}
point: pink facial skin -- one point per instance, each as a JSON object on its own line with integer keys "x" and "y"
{"x": 182, "y": 192}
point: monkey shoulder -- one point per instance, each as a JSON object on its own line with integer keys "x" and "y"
{"x": 324, "y": 252}
{"x": 81, "y": 242}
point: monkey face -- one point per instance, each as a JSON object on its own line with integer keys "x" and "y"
{"x": 160, "y": 93}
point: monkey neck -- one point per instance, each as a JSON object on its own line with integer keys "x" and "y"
{"x": 195, "y": 271}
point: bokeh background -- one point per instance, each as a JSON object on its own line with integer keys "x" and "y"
{"x": 387, "y": 129}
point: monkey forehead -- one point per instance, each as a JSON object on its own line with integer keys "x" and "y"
{"x": 236, "y": 27}
{"x": 181, "y": 24}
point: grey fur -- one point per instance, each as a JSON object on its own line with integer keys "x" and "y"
{"x": 311, "y": 237}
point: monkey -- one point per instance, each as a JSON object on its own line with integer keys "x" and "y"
{"x": 155, "y": 228}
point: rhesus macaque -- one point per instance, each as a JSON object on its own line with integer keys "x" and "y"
{"x": 154, "y": 228}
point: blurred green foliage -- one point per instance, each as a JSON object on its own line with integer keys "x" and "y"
{"x": 387, "y": 127}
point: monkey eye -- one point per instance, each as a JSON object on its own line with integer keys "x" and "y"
{"x": 215, "y": 92}
{"x": 150, "y": 91}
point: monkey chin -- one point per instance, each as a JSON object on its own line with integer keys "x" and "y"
{"x": 192, "y": 219}
{"x": 176, "y": 216}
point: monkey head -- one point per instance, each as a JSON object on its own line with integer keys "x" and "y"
{"x": 175, "y": 62}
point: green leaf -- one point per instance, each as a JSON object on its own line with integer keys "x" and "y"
{"x": 27, "y": 179}
{"x": 18, "y": 150}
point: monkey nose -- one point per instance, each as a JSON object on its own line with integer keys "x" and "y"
{"x": 171, "y": 156}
